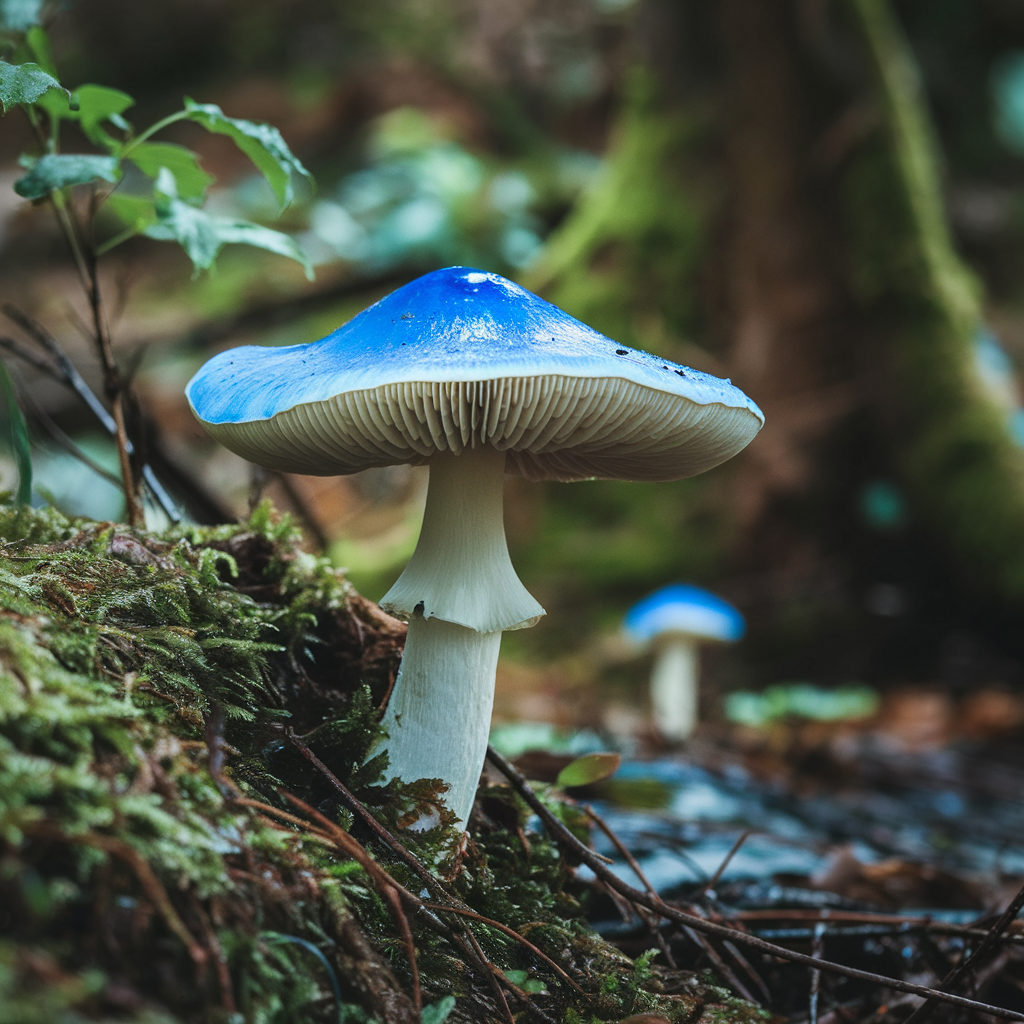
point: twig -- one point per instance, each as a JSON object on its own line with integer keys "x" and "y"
{"x": 868, "y": 917}
{"x": 716, "y": 877}
{"x": 653, "y": 921}
{"x": 470, "y": 948}
{"x": 390, "y": 895}
{"x": 492, "y": 976}
{"x": 150, "y": 883}
{"x": 817, "y": 951}
{"x": 85, "y": 261}
{"x": 227, "y": 994}
{"x": 425, "y": 874}
{"x": 984, "y": 949}
{"x": 621, "y": 847}
{"x": 511, "y": 933}
{"x": 562, "y": 835}
{"x": 67, "y": 373}
{"x": 389, "y": 889}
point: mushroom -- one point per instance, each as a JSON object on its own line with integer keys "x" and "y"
{"x": 675, "y": 619}
{"x": 468, "y": 373}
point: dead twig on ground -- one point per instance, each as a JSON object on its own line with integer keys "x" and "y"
{"x": 970, "y": 963}
{"x": 511, "y": 933}
{"x": 564, "y": 837}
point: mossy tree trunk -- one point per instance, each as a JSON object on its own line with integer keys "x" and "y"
{"x": 783, "y": 156}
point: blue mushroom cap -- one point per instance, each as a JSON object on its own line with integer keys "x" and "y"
{"x": 681, "y": 608}
{"x": 459, "y": 358}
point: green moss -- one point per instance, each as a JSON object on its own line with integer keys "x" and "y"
{"x": 146, "y": 684}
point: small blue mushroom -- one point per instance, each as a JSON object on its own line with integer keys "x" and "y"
{"x": 674, "y": 620}
{"x": 474, "y": 376}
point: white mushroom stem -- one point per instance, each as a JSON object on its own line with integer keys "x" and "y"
{"x": 439, "y": 714}
{"x": 459, "y": 592}
{"x": 460, "y": 570}
{"x": 674, "y": 681}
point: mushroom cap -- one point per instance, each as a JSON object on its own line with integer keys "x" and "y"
{"x": 460, "y": 358}
{"x": 681, "y": 608}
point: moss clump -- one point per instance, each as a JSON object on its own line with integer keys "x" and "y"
{"x": 152, "y": 689}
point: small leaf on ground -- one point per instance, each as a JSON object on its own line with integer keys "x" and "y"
{"x": 521, "y": 979}
{"x": 57, "y": 171}
{"x": 588, "y": 769}
{"x": 261, "y": 143}
{"x": 191, "y": 180}
{"x": 437, "y": 1013}
{"x": 24, "y": 83}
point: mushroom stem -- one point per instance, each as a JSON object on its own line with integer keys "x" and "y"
{"x": 459, "y": 591}
{"x": 439, "y": 714}
{"x": 460, "y": 570}
{"x": 674, "y": 687}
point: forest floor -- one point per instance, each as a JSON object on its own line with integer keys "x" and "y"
{"x": 188, "y": 831}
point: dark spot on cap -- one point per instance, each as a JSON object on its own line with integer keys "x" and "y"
{"x": 680, "y": 372}
{"x": 418, "y": 610}
{"x": 407, "y": 316}
{"x": 622, "y": 352}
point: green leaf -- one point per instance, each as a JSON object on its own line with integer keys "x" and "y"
{"x": 57, "y": 103}
{"x": 19, "y": 437}
{"x": 521, "y": 979}
{"x": 56, "y": 171}
{"x": 191, "y": 180}
{"x": 202, "y": 236}
{"x": 589, "y": 768}
{"x": 244, "y": 232}
{"x": 96, "y": 104}
{"x": 136, "y": 212}
{"x": 19, "y": 15}
{"x": 24, "y": 83}
{"x": 38, "y": 42}
{"x": 437, "y": 1013}
{"x": 261, "y": 143}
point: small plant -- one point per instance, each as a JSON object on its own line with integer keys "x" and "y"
{"x": 131, "y": 185}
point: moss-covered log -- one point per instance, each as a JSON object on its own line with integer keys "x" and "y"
{"x": 176, "y": 715}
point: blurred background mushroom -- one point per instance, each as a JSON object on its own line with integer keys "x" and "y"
{"x": 673, "y": 622}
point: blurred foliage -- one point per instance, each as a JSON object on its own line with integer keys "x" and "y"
{"x": 801, "y": 700}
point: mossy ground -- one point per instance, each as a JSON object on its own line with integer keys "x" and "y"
{"x": 149, "y": 687}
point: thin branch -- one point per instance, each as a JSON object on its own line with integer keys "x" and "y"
{"x": 67, "y": 373}
{"x": 390, "y": 895}
{"x": 817, "y": 951}
{"x": 150, "y": 883}
{"x": 511, "y": 933}
{"x": 716, "y": 877}
{"x": 425, "y": 874}
{"x": 621, "y": 847}
{"x": 565, "y": 838}
{"x": 983, "y": 951}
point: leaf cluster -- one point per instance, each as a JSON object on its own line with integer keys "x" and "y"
{"x": 142, "y": 187}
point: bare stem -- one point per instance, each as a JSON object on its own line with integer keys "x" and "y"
{"x": 85, "y": 260}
